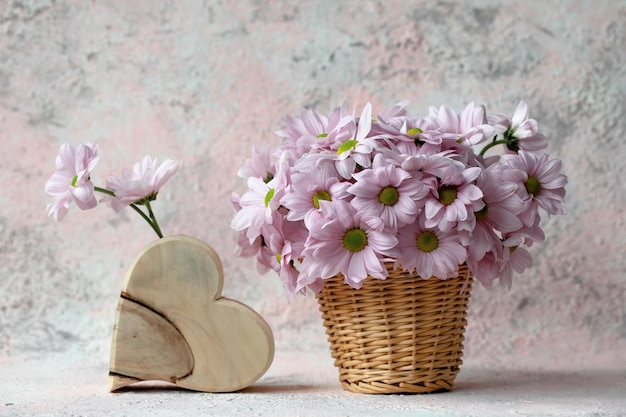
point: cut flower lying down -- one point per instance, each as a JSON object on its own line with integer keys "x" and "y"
{"x": 346, "y": 194}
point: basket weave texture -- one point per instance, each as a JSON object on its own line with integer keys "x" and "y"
{"x": 403, "y": 334}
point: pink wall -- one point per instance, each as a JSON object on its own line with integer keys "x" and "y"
{"x": 204, "y": 81}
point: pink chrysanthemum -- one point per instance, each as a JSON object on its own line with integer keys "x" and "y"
{"x": 470, "y": 125}
{"x": 283, "y": 242}
{"x": 244, "y": 247}
{"x": 356, "y": 150}
{"x": 540, "y": 183}
{"x": 141, "y": 184}
{"x": 388, "y": 192}
{"x": 71, "y": 181}
{"x": 348, "y": 243}
{"x": 355, "y": 185}
{"x": 521, "y": 125}
{"x": 393, "y": 115}
{"x": 302, "y": 132}
{"x": 247, "y": 249}
{"x": 487, "y": 268}
{"x": 311, "y": 130}
{"x": 461, "y": 132}
{"x": 423, "y": 131}
{"x": 453, "y": 203}
{"x": 500, "y": 212}
{"x": 519, "y": 133}
{"x": 257, "y": 206}
{"x": 429, "y": 168}
{"x": 258, "y": 166}
{"x": 515, "y": 258}
{"x": 311, "y": 186}
{"x": 429, "y": 251}
{"x": 393, "y": 125}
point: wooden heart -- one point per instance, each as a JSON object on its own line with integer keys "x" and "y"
{"x": 172, "y": 323}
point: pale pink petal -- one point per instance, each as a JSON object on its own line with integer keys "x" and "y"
{"x": 70, "y": 182}
{"x": 520, "y": 114}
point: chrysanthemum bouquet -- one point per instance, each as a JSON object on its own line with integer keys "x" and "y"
{"x": 71, "y": 182}
{"x": 347, "y": 194}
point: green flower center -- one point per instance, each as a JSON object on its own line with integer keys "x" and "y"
{"x": 388, "y": 196}
{"x": 74, "y": 180}
{"x": 347, "y": 145}
{"x": 269, "y": 196}
{"x": 320, "y": 195}
{"x": 427, "y": 241}
{"x": 533, "y": 186}
{"x": 355, "y": 239}
{"x": 447, "y": 194}
{"x": 482, "y": 213}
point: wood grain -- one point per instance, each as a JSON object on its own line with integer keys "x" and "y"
{"x": 172, "y": 301}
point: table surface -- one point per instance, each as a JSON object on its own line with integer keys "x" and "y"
{"x": 305, "y": 384}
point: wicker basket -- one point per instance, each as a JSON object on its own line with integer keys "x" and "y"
{"x": 403, "y": 334}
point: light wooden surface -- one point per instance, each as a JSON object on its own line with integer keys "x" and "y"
{"x": 173, "y": 324}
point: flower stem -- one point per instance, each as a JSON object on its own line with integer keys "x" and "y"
{"x": 104, "y": 191}
{"x": 150, "y": 220}
{"x": 155, "y": 224}
{"x": 492, "y": 144}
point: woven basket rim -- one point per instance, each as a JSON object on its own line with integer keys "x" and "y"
{"x": 393, "y": 272}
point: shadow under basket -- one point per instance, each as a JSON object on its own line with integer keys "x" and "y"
{"x": 403, "y": 334}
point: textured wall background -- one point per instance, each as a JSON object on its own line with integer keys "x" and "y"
{"x": 204, "y": 81}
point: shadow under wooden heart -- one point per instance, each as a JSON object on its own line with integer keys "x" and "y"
{"x": 172, "y": 323}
